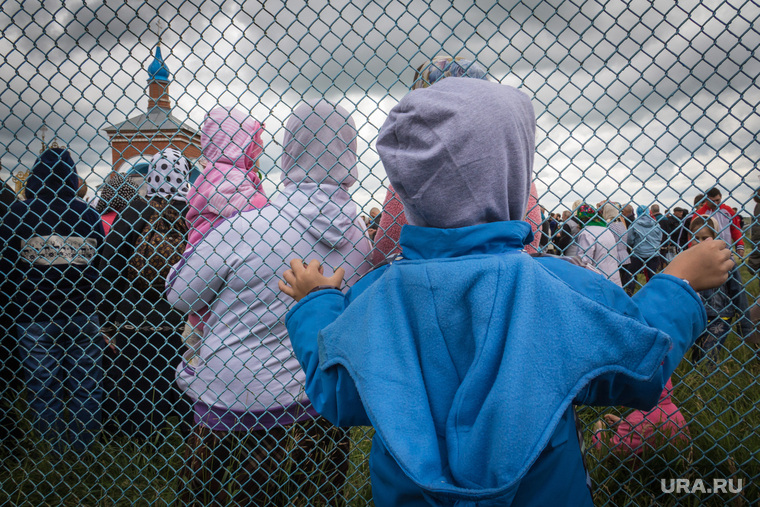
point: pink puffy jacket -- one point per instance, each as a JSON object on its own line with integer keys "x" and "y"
{"x": 231, "y": 143}
{"x": 639, "y": 430}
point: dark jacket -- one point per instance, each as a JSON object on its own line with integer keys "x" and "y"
{"x": 50, "y": 244}
{"x": 124, "y": 308}
{"x": 682, "y": 234}
{"x": 669, "y": 226}
{"x": 566, "y": 235}
{"x": 729, "y": 301}
{"x": 7, "y": 197}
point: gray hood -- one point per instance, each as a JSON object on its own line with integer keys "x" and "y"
{"x": 319, "y": 145}
{"x": 460, "y": 153}
{"x": 318, "y": 168}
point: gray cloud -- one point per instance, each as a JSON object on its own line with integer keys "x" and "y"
{"x": 642, "y": 100}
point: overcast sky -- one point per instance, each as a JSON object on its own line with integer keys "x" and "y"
{"x": 637, "y": 101}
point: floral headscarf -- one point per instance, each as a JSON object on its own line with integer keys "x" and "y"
{"x": 587, "y": 216}
{"x": 446, "y": 66}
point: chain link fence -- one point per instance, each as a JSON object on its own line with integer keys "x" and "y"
{"x": 104, "y": 397}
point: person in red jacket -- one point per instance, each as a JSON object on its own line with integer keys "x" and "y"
{"x": 729, "y": 228}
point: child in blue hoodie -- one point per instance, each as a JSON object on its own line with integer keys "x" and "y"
{"x": 472, "y": 405}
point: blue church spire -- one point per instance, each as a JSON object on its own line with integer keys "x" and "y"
{"x": 157, "y": 70}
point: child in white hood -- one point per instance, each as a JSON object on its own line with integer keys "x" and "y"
{"x": 248, "y": 390}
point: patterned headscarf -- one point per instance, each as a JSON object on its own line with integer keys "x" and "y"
{"x": 167, "y": 176}
{"x": 116, "y": 194}
{"x": 587, "y": 216}
{"x": 445, "y": 66}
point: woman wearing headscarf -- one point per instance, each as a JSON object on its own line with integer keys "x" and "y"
{"x": 145, "y": 240}
{"x": 253, "y": 418}
{"x": 616, "y": 224}
{"x": 115, "y": 196}
{"x": 596, "y": 243}
{"x": 393, "y": 219}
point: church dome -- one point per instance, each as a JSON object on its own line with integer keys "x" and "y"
{"x": 157, "y": 70}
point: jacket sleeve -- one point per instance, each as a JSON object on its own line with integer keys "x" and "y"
{"x": 623, "y": 238}
{"x": 332, "y": 391}
{"x": 740, "y": 303}
{"x": 682, "y": 324}
{"x": 196, "y": 280}
{"x": 115, "y": 254}
{"x": 632, "y": 238}
{"x": 586, "y": 247}
{"x": 737, "y": 237}
{"x": 562, "y": 239}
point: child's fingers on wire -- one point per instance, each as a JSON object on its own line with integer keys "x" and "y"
{"x": 289, "y": 276}
{"x": 337, "y": 278}
{"x": 285, "y": 288}
{"x": 297, "y": 265}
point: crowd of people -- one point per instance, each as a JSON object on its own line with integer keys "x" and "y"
{"x": 176, "y": 309}
{"x": 647, "y": 238}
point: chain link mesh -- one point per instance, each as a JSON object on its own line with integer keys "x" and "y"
{"x": 636, "y": 102}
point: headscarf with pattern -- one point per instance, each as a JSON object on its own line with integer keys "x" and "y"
{"x": 587, "y": 216}
{"x": 446, "y": 66}
{"x": 167, "y": 176}
{"x": 116, "y": 194}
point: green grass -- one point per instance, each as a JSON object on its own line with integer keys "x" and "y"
{"x": 119, "y": 473}
{"x": 125, "y": 473}
{"x": 721, "y": 407}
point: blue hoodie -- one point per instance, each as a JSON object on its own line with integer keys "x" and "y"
{"x": 50, "y": 243}
{"x": 469, "y": 402}
{"x": 644, "y": 235}
{"x": 468, "y": 382}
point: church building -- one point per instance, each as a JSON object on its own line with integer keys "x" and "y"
{"x": 135, "y": 140}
